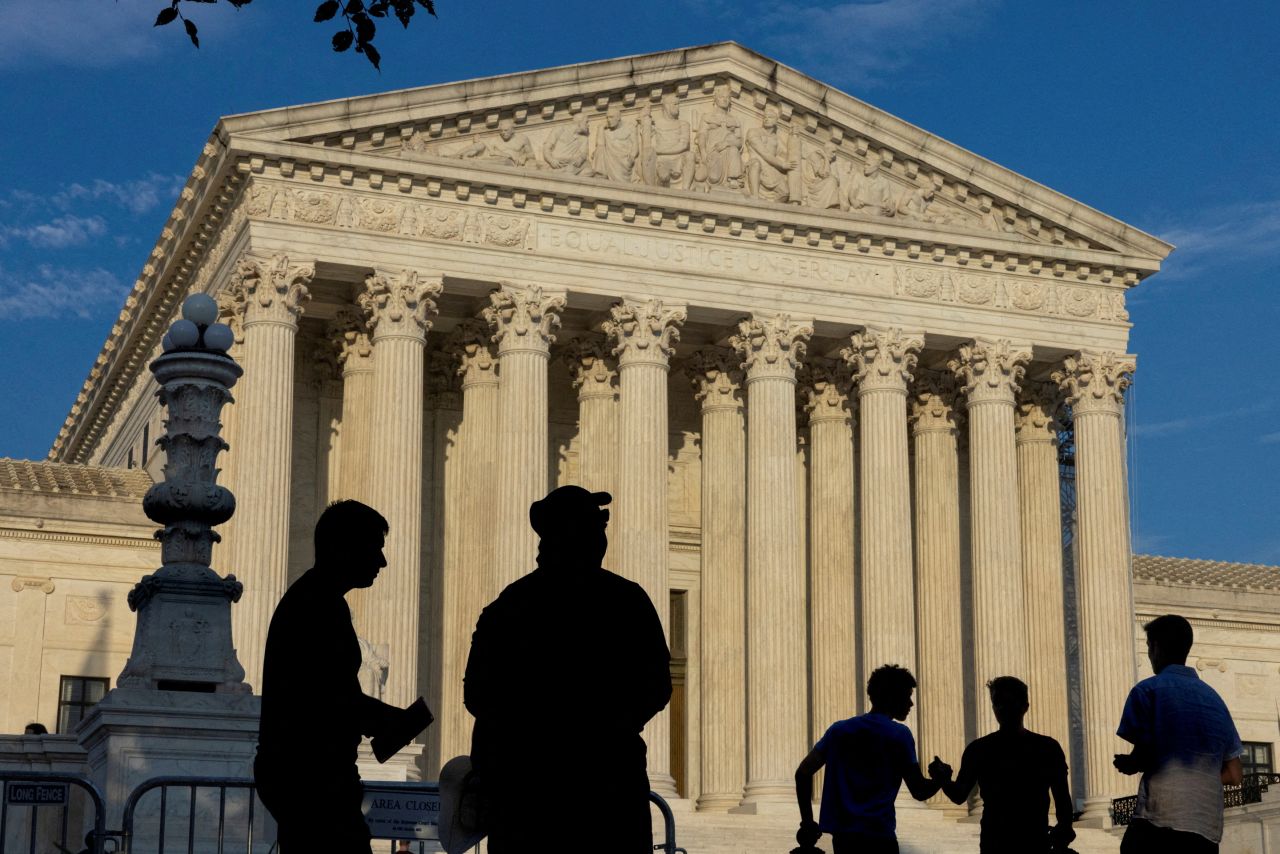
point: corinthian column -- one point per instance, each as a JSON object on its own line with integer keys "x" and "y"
{"x": 882, "y": 362}
{"x": 270, "y": 295}
{"x": 350, "y": 336}
{"x": 990, "y": 372}
{"x": 934, "y": 419}
{"x": 771, "y": 348}
{"x": 469, "y": 548}
{"x": 524, "y": 320}
{"x": 717, "y": 381}
{"x": 644, "y": 335}
{"x": 1041, "y": 500}
{"x": 589, "y": 359}
{"x": 1094, "y": 384}
{"x": 832, "y": 630}
{"x": 399, "y": 307}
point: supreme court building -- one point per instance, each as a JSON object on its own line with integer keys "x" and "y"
{"x": 822, "y": 359}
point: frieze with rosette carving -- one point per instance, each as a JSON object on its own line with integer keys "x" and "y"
{"x": 985, "y": 289}
{"x": 389, "y": 216}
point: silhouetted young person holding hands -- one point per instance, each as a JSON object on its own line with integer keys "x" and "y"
{"x": 313, "y": 711}
{"x": 867, "y": 757}
{"x": 1015, "y": 769}
{"x": 1185, "y": 745}
{"x": 566, "y": 667}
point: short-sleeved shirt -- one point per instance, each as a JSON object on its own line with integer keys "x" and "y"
{"x": 1014, "y": 772}
{"x": 866, "y": 758}
{"x": 1183, "y": 724}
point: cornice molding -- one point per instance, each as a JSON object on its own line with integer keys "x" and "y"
{"x": 148, "y": 543}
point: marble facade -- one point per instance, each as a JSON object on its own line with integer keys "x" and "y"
{"x": 816, "y": 353}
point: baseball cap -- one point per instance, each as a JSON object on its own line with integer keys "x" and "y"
{"x": 565, "y": 506}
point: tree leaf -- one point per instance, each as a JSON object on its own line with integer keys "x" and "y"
{"x": 365, "y": 28}
{"x": 342, "y": 40}
{"x": 166, "y": 16}
{"x": 429, "y": 6}
{"x": 191, "y": 31}
{"x": 326, "y": 10}
{"x": 354, "y": 7}
{"x": 404, "y": 11}
{"x": 372, "y": 53}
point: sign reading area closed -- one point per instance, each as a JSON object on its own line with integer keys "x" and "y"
{"x": 409, "y": 813}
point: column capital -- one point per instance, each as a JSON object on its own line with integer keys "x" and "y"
{"x": 325, "y": 368}
{"x": 588, "y": 358}
{"x": 644, "y": 331}
{"x": 471, "y": 343}
{"x": 717, "y": 378}
{"x": 883, "y": 359}
{"x": 1094, "y": 383}
{"x": 1037, "y": 413}
{"x": 349, "y": 337}
{"x": 400, "y": 305}
{"x": 824, "y": 384}
{"x": 266, "y": 290}
{"x": 990, "y": 371}
{"x": 524, "y": 317}
{"x": 440, "y": 379}
{"x": 771, "y": 346}
{"x": 933, "y": 403}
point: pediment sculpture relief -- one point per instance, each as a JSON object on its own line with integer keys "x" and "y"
{"x": 713, "y": 148}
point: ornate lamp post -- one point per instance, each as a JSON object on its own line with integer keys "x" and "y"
{"x": 183, "y": 639}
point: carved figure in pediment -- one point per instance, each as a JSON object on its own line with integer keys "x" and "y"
{"x": 821, "y": 181}
{"x": 668, "y": 149}
{"x": 617, "y": 148}
{"x": 282, "y": 204}
{"x": 565, "y": 149}
{"x": 346, "y": 215}
{"x": 993, "y": 221}
{"x": 508, "y": 147}
{"x": 921, "y": 204}
{"x": 774, "y": 171}
{"x": 719, "y": 142}
{"x": 871, "y": 192}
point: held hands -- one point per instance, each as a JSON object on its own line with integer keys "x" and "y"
{"x": 1127, "y": 763}
{"x": 808, "y": 834}
{"x": 412, "y": 721}
{"x": 939, "y": 771}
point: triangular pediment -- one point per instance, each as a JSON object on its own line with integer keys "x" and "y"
{"x": 694, "y": 121}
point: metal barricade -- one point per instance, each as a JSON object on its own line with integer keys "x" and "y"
{"x": 38, "y": 790}
{"x": 669, "y": 826}
{"x": 192, "y": 785}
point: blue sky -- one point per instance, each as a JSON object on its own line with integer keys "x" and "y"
{"x": 1164, "y": 115}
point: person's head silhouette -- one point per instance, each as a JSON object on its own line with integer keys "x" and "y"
{"x": 348, "y": 538}
{"x": 1169, "y": 640}
{"x": 890, "y": 688}
{"x": 570, "y": 523}
{"x": 1009, "y": 701}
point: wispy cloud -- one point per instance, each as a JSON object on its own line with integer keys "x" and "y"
{"x": 854, "y": 43}
{"x": 1214, "y": 237}
{"x": 56, "y": 292}
{"x": 1147, "y": 544}
{"x": 137, "y": 196}
{"x": 1270, "y": 438}
{"x": 1196, "y": 422}
{"x": 59, "y": 233}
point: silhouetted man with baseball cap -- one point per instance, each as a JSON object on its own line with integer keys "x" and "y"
{"x": 566, "y": 667}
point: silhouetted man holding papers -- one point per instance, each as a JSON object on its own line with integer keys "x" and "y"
{"x": 1015, "y": 769}
{"x": 868, "y": 758}
{"x": 313, "y": 711}
{"x": 1185, "y": 745}
{"x": 566, "y": 667}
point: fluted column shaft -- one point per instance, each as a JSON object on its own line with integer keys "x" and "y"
{"x": 272, "y": 294}
{"x": 1094, "y": 384}
{"x": 883, "y": 361}
{"x": 469, "y": 548}
{"x": 717, "y": 380}
{"x": 1041, "y": 508}
{"x": 591, "y": 369}
{"x": 832, "y": 628}
{"x": 771, "y": 348}
{"x": 644, "y": 335}
{"x": 399, "y": 307}
{"x": 939, "y": 632}
{"x": 524, "y": 320}
{"x": 991, "y": 373}
{"x": 350, "y": 335}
